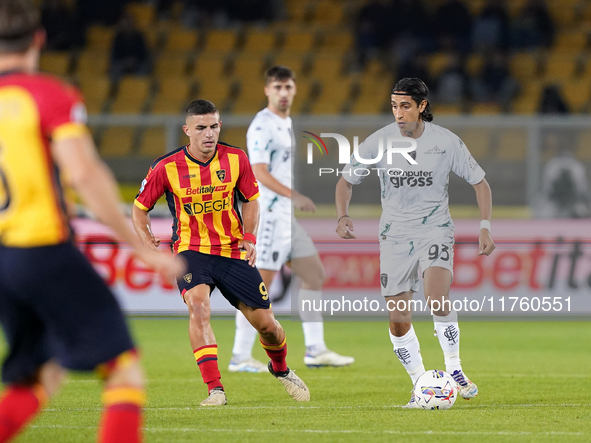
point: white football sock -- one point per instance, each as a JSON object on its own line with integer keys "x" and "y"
{"x": 314, "y": 337}
{"x": 447, "y": 331}
{"x": 408, "y": 351}
{"x": 312, "y": 321}
{"x": 244, "y": 339}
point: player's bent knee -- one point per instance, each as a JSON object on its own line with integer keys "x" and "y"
{"x": 267, "y": 328}
{"x": 318, "y": 277}
{"x": 198, "y": 306}
{"x": 124, "y": 369}
{"x": 399, "y": 329}
{"x": 439, "y": 305}
{"x": 397, "y": 317}
{"x": 132, "y": 375}
{"x": 314, "y": 280}
{"x": 51, "y": 377}
{"x": 267, "y": 325}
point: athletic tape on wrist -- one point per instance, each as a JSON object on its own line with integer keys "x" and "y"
{"x": 485, "y": 224}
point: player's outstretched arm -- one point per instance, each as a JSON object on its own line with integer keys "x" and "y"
{"x": 343, "y": 194}
{"x": 484, "y": 199}
{"x": 300, "y": 201}
{"x": 250, "y": 218}
{"x": 76, "y": 156}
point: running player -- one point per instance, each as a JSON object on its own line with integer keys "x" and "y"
{"x": 203, "y": 182}
{"x": 269, "y": 142}
{"x": 55, "y": 310}
{"x": 416, "y": 229}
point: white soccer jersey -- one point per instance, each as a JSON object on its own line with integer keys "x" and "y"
{"x": 416, "y": 198}
{"x": 269, "y": 141}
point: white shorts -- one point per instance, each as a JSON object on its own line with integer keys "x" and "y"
{"x": 274, "y": 242}
{"x": 401, "y": 258}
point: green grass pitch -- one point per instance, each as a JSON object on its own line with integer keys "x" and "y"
{"x": 534, "y": 381}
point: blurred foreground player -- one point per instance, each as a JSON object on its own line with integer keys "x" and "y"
{"x": 269, "y": 141}
{"x": 416, "y": 229}
{"x": 203, "y": 182}
{"x": 55, "y": 310}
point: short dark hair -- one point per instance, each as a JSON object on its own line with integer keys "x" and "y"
{"x": 19, "y": 21}
{"x": 418, "y": 91}
{"x": 279, "y": 73}
{"x": 201, "y": 107}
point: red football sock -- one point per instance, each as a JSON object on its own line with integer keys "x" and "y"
{"x": 18, "y": 405}
{"x": 207, "y": 360}
{"x": 277, "y": 354}
{"x": 122, "y": 417}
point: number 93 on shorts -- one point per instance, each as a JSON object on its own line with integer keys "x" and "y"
{"x": 402, "y": 260}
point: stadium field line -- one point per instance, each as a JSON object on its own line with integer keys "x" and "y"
{"x": 338, "y": 431}
{"x": 225, "y": 408}
{"x": 480, "y": 375}
{"x": 331, "y": 377}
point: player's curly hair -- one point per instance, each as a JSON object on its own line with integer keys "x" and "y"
{"x": 418, "y": 91}
{"x": 19, "y": 21}
{"x": 279, "y": 73}
{"x": 201, "y": 107}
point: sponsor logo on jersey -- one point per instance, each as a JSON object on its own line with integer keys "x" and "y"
{"x": 206, "y": 207}
{"x": 435, "y": 150}
{"x": 412, "y": 179}
{"x": 189, "y": 176}
{"x": 205, "y": 190}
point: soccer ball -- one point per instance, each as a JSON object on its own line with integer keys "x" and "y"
{"x": 435, "y": 390}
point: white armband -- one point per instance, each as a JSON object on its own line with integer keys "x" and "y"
{"x": 485, "y": 224}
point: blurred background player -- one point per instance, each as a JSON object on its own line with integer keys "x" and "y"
{"x": 269, "y": 141}
{"x": 416, "y": 229}
{"x": 203, "y": 182}
{"x": 56, "y": 311}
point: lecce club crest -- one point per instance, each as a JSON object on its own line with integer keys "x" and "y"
{"x": 221, "y": 174}
{"x": 188, "y": 277}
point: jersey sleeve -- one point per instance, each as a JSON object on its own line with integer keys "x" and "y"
{"x": 152, "y": 188}
{"x": 355, "y": 171}
{"x": 464, "y": 165}
{"x": 258, "y": 140}
{"x": 63, "y": 113}
{"x": 247, "y": 185}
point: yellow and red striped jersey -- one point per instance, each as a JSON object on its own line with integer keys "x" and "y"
{"x": 34, "y": 109}
{"x": 202, "y": 198}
